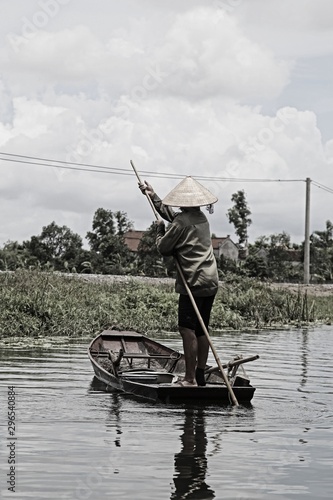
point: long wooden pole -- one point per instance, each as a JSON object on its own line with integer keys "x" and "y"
{"x": 203, "y": 326}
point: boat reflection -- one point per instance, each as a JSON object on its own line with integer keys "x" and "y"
{"x": 114, "y": 415}
{"x": 191, "y": 462}
{"x": 99, "y": 386}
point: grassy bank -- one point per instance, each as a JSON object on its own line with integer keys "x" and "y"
{"x": 47, "y": 304}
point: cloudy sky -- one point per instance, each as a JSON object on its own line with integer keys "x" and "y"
{"x": 236, "y": 93}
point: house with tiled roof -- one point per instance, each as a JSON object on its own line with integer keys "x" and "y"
{"x": 221, "y": 246}
{"x": 132, "y": 239}
{"x": 226, "y": 247}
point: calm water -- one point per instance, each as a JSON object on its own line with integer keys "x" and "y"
{"x": 75, "y": 441}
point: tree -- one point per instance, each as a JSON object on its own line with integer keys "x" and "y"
{"x": 57, "y": 246}
{"x": 105, "y": 225}
{"x": 323, "y": 239}
{"x": 150, "y": 262}
{"x": 109, "y": 254}
{"x": 256, "y": 267}
{"x": 12, "y": 256}
{"x": 149, "y": 259}
{"x": 226, "y": 266}
{"x": 272, "y": 257}
{"x": 280, "y": 241}
{"x": 239, "y": 216}
{"x": 123, "y": 224}
{"x": 322, "y": 252}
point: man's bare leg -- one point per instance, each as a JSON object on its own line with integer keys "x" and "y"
{"x": 203, "y": 349}
{"x": 190, "y": 345}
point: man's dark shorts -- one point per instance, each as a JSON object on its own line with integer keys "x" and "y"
{"x": 187, "y": 317}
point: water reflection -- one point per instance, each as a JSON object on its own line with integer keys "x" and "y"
{"x": 114, "y": 416}
{"x": 122, "y": 447}
{"x": 191, "y": 462}
{"x": 304, "y": 356}
{"x": 97, "y": 385}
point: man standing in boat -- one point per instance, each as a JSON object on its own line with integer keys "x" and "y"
{"x": 188, "y": 238}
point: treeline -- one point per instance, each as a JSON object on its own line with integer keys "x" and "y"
{"x": 270, "y": 258}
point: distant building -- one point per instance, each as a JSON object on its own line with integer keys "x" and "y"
{"x": 290, "y": 256}
{"x": 226, "y": 247}
{"x": 132, "y": 239}
{"x": 221, "y": 246}
{"x": 261, "y": 253}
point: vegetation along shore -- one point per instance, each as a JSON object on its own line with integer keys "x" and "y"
{"x": 48, "y": 304}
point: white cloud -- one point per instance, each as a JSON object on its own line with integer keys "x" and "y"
{"x": 301, "y": 28}
{"x": 183, "y": 92}
{"x": 206, "y": 55}
{"x": 202, "y": 55}
{"x": 69, "y": 54}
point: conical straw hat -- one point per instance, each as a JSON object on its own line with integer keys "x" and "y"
{"x": 189, "y": 193}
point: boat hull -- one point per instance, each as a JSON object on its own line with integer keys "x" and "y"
{"x": 172, "y": 393}
{"x": 148, "y": 369}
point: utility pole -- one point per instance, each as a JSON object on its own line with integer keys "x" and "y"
{"x": 307, "y": 234}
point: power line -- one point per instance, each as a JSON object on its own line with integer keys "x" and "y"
{"x": 65, "y": 164}
{"x": 65, "y": 167}
{"x": 87, "y": 167}
{"x": 321, "y": 186}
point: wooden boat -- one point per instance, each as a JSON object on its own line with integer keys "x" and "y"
{"x": 133, "y": 363}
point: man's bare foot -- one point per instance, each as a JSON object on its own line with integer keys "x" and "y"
{"x": 186, "y": 383}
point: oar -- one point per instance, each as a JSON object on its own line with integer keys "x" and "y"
{"x": 203, "y": 326}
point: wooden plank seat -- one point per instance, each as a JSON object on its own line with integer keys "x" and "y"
{"x": 135, "y": 355}
{"x": 130, "y": 356}
{"x": 147, "y": 356}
